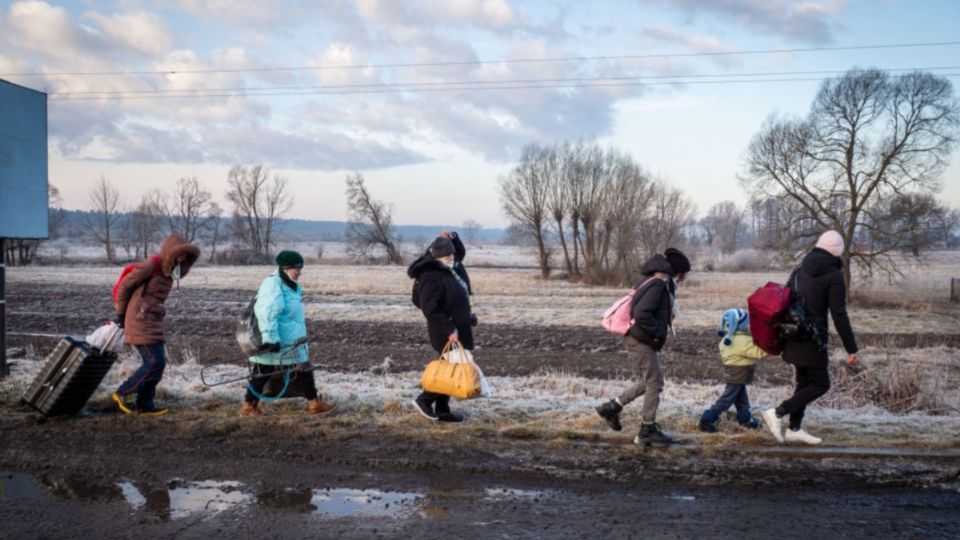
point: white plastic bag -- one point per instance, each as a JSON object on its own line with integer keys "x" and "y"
{"x": 459, "y": 355}
{"x": 107, "y": 338}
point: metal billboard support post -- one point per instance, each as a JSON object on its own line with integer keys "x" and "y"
{"x": 3, "y": 309}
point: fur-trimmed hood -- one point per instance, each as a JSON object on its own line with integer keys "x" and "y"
{"x": 174, "y": 247}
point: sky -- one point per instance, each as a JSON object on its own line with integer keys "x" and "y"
{"x": 411, "y": 93}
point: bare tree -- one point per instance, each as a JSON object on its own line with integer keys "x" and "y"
{"x": 105, "y": 201}
{"x": 671, "y": 211}
{"x": 258, "y": 205}
{"x": 369, "y": 223}
{"x": 470, "y": 229}
{"x": 186, "y": 210}
{"x": 523, "y": 194}
{"x": 214, "y": 227}
{"x": 869, "y": 137}
{"x": 723, "y": 226}
{"x": 912, "y": 222}
{"x": 144, "y": 225}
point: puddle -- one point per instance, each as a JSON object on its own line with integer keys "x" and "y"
{"x": 344, "y": 502}
{"x": 178, "y": 498}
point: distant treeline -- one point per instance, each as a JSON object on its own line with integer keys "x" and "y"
{"x": 295, "y": 230}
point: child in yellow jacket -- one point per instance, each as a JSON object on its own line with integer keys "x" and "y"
{"x": 739, "y": 356}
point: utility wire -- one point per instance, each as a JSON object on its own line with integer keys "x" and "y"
{"x": 463, "y": 88}
{"x": 414, "y": 85}
{"x": 174, "y": 71}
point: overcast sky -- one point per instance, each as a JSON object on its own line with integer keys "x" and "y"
{"x": 435, "y": 154}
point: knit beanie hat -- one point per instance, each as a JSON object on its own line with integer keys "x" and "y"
{"x": 733, "y": 321}
{"x": 831, "y": 242}
{"x": 441, "y": 247}
{"x": 679, "y": 261}
{"x": 289, "y": 259}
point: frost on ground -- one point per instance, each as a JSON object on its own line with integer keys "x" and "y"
{"x": 545, "y": 406}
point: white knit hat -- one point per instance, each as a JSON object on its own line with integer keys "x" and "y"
{"x": 832, "y": 242}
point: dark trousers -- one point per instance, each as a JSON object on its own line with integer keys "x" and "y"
{"x": 439, "y": 402}
{"x": 299, "y": 380}
{"x": 145, "y": 379}
{"x": 812, "y": 382}
{"x": 733, "y": 394}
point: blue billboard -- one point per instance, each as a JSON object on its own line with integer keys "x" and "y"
{"x": 23, "y": 162}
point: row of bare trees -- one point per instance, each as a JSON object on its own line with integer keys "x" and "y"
{"x": 598, "y": 206}
{"x": 258, "y": 201}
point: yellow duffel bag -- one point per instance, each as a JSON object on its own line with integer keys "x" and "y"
{"x": 457, "y": 379}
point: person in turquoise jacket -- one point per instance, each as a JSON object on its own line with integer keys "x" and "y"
{"x": 283, "y": 330}
{"x": 739, "y": 355}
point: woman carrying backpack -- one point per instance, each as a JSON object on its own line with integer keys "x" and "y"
{"x": 442, "y": 291}
{"x": 818, "y": 281}
{"x": 139, "y": 306}
{"x": 279, "y": 311}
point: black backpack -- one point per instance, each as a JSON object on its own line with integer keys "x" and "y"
{"x": 796, "y": 324}
{"x": 248, "y": 330}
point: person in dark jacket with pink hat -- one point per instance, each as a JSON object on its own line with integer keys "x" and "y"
{"x": 442, "y": 292}
{"x": 818, "y": 282}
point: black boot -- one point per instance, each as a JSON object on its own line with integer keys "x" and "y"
{"x": 610, "y": 411}
{"x": 650, "y": 435}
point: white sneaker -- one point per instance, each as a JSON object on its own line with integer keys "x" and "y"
{"x": 773, "y": 423}
{"x": 801, "y": 436}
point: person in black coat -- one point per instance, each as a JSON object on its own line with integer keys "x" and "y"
{"x": 818, "y": 282}
{"x": 442, "y": 291}
{"x": 652, "y": 313}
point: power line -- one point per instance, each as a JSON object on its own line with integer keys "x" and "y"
{"x": 412, "y": 85}
{"x": 483, "y": 62}
{"x": 466, "y": 88}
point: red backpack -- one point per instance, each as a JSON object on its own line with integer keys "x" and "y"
{"x": 129, "y": 268}
{"x": 767, "y": 307}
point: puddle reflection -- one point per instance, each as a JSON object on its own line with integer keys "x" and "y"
{"x": 180, "y": 498}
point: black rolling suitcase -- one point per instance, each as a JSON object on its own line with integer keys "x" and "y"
{"x": 70, "y": 375}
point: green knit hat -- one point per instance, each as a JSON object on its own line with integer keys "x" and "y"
{"x": 289, "y": 259}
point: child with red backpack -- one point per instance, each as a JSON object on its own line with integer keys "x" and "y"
{"x": 139, "y": 298}
{"x": 739, "y": 355}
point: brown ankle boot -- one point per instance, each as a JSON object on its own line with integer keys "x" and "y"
{"x": 318, "y": 406}
{"x": 249, "y": 410}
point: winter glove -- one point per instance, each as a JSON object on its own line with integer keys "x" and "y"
{"x": 270, "y": 347}
{"x": 118, "y": 320}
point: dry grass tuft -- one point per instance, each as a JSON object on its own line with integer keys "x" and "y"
{"x": 898, "y": 388}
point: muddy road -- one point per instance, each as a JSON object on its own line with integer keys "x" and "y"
{"x": 202, "y": 472}
{"x": 202, "y": 323}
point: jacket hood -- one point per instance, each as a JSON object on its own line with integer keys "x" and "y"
{"x": 174, "y": 247}
{"x": 657, "y": 263}
{"x": 424, "y": 263}
{"x": 819, "y": 262}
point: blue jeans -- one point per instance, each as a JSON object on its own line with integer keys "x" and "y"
{"x": 733, "y": 394}
{"x": 144, "y": 381}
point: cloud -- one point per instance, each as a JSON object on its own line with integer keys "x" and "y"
{"x": 487, "y": 14}
{"x": 140, "y": 31}
{"x": 319, "y": 149}
{"x": 808, "y": 21}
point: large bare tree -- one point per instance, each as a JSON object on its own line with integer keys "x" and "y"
{"x": 258, "y": 204}
{"x": 369, "y": 223}
{"x": 869, "y": 137}
{"x": 103, "y": 220}
{"x": 523, "y": 194}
